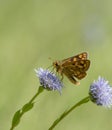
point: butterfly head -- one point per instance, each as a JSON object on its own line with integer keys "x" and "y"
{"x": 56, "y": 65}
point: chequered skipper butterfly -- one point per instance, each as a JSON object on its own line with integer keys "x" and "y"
{"x": 73, "y": 67}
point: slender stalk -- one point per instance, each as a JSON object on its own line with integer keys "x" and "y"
{"x": 28, "y": 106}
{"x": 39, "y": 91}
{"x": 85, "y": 100}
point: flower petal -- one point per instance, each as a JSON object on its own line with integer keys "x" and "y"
{"x": 48, "y": 79}
{"x": 101, "y": 93}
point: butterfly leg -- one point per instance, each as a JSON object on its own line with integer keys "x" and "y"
{"x": 62, "y": 76}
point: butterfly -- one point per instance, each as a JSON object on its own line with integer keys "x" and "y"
{"x": 73, "y": 67}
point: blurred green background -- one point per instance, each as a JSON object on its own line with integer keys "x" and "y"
{"x": 31, "y": 31}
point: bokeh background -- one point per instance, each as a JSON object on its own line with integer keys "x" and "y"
{"x": 31, "y": 31}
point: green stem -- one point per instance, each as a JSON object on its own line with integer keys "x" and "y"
{"x": 28, "y": 106}
{"x": 39, "y": 91}
{"x": 85, "y": 100}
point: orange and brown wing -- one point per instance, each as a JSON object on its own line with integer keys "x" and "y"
{"x": 78, "y": 69}
{"x": 73, "y": 59}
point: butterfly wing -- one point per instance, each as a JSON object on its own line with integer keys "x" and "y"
{"x": 77, "y": 70}
{"x": 71, "y": 60}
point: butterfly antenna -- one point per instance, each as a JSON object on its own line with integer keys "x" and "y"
{"x": 51, "y": 65}
{"x": 51, "y": 59}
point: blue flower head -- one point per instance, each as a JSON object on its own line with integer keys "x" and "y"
{"x": 48, "y": 79}
{"x": 101, "y": 93}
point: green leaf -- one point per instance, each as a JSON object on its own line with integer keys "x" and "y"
{"x": 16, "y": 118}
{"x": 27, "y": 107}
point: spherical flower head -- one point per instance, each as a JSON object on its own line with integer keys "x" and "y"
{"x": 48, "y": 79}
{"x": 101, "y": 93}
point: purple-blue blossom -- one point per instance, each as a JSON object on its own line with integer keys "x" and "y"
{"x": 101, "y": 93}
{"x": 48, "y": 79}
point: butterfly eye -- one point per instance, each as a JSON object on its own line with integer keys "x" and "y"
{"x": 56, "y": 64}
